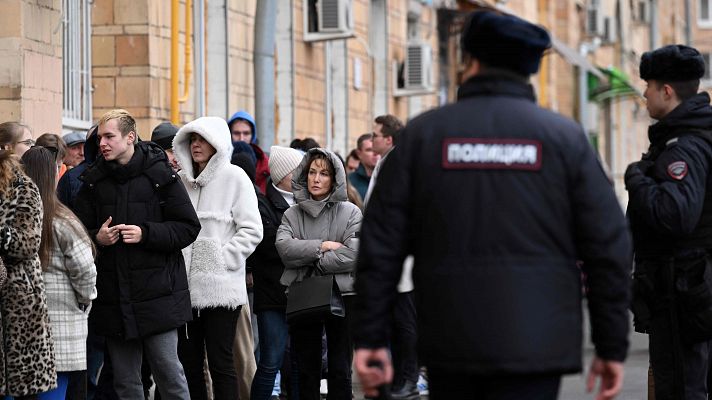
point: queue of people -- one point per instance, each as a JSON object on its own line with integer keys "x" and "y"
{"x": 144, "y": 251}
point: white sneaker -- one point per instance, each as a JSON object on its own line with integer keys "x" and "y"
{"x": 423, "y": 385}
{"x": 323, "y": 387}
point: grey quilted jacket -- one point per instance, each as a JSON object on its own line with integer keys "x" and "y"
{"x": 308, "y": 223}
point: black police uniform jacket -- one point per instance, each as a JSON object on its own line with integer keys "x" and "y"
{"x": 142, "y": 288}
{"x": 670, "y": 207}
{"x": 267, "y": 266}
{"x": 496, "y": 199}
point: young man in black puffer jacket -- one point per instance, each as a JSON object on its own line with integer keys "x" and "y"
{"x": 140, "y": 216}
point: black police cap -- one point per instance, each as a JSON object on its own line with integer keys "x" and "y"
{"x": 673, "y": 63}
{"x": 163, "y": 135}
{"x": 504, "y": 41}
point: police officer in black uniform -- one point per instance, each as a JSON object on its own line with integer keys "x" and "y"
{"x": 497, "y": 199}
{"x": 670, "y": 212}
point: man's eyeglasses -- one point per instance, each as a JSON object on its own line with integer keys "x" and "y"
{"x": 375, "y": 135}
{"x": 27, "y": 142}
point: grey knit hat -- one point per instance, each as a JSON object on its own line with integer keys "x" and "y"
{"x": 282, "y": 161}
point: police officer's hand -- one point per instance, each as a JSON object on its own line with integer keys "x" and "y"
{"x": 374, "y": 369}
{"x": 611, "y": 377}
{"x": 635, "y": 172}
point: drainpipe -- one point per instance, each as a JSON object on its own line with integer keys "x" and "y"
{"x": 688, "y": 23}
{"x": 175, "y": 111}
{"x": 583, "y": 91}
{"x": 199, "y": 78}
{"x": 265, "y": 28}
{"x": 327, "y": 94}
{"x": 544, "y": 68}
{"x": 654, "y": 42}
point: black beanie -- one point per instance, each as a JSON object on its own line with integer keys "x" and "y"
{"x": 163, "y": 135}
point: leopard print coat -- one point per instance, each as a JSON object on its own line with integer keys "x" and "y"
{"x": 27, "y": 355}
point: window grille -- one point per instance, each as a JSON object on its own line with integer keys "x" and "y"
{"x": 76, "y": 64}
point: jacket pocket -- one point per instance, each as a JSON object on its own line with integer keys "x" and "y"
{"x": 207, "y": 257}
{"x": 693, "y": 289}
{"x": 150, "y": 283}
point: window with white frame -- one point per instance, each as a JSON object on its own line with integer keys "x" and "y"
{"x": 76, "y": 65}
{"x": 704, "y": 13}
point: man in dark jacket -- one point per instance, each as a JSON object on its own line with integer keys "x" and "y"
{"x": 670, "y": 212}
{"x": 69, "y": 185}
{"x": 367, "y": 158}
{"x": 140, "y": 216}
{"x": 496, "y": 199}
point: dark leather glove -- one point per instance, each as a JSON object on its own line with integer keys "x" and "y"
{"x": 636, "y": 172}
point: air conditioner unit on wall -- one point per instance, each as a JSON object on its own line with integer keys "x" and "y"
{"x": 334, "y": 16}
{"x": 418, "y": 66}
{"x": 594, "y": 19}
{"x": 328, "y": 20}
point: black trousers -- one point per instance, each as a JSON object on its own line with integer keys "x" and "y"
{"x": 404, "y": 341}
{"x": 77, "y": 386}
{"x": 689, "y": 374}
{"x": 212, "y": 330}
{"x": 449, "y": 385}
{"x": 306, "y": 338}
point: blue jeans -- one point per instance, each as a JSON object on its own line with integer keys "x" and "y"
{"x": 273, "y": 331}
{"x": 60, "y": 391}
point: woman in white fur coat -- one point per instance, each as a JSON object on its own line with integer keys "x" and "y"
{"x": 225, "y": 200}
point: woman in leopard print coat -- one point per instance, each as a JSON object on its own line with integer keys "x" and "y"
{"x": 26, "y": 354}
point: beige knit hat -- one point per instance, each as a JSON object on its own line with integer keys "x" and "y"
{"x": 282, "y": 161}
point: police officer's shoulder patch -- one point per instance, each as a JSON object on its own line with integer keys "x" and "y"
{"x": 480, "y": 153}
{"x": 677, "y": 170}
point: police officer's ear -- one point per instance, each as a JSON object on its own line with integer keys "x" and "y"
{"x": 668, "y": 91}
{"x": 471, "y": 67}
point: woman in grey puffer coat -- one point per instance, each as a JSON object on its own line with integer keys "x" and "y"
{"x": 319, "y": 235}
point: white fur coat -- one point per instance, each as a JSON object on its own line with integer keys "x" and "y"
{"x": 225, "y": 200}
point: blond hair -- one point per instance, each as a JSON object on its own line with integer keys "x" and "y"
{"x": 125, "y": 121}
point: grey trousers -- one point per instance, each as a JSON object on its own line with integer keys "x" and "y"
{"x": 161, "y": 352}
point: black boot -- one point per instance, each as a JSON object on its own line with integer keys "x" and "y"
{"x": 409, "y": 391}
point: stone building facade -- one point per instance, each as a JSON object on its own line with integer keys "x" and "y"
{"x": 68, "y": 61}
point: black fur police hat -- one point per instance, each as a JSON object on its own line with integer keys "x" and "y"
{"x": 673, "y": 63}
{"x": 504, "y": 41}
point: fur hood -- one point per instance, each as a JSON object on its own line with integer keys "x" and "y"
{"x": 215, "y": 131}
{"x": 300, "y": 187}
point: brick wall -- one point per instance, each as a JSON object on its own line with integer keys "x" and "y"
{"x": 31, "y": 71}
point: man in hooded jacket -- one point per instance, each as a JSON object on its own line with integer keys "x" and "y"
{"x": 243, "y": 129}
{"x": 670, "y": 213}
